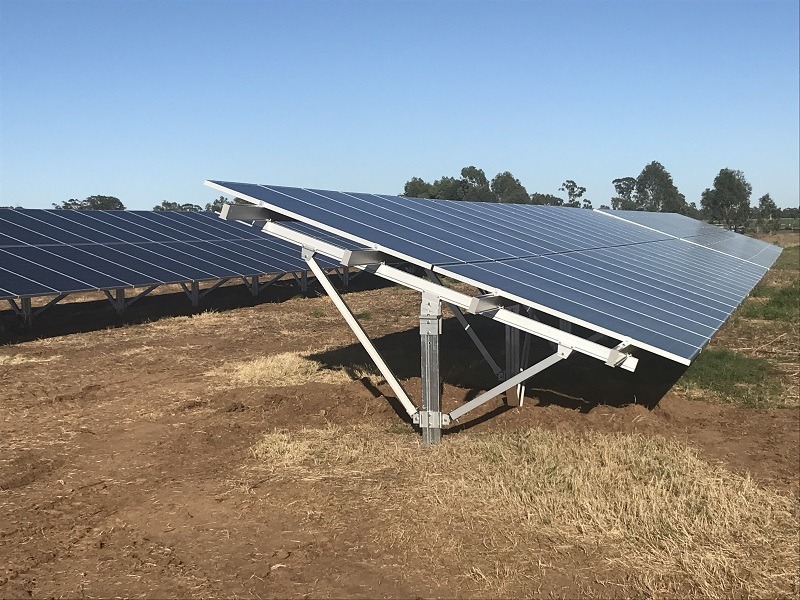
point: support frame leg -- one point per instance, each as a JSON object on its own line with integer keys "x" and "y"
{"x": 361, "y": 335}
{"x": 26, "y": 311}
{"x": 430, "y": 327}
{"x": 513, "y": 397}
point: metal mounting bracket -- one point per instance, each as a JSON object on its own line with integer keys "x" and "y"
{"x": 485, "y": 303}
{"x": 366, "y": 256}
{"x": 617, "y": 354}
{"x": 427, "y": 419}
{"x": 249, "y": 212}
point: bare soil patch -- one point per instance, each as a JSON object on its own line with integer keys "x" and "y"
{"x": 145, "y": 460}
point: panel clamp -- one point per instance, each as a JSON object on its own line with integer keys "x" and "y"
{"x": 247, "y": 212}
{"x": 485, "y": 303}
{"x": 617, "y": 354}
{"x": 364, "y": 256}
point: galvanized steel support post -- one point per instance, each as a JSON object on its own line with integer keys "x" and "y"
{"x": 523, "y": 364}
{"x": 513, "y": 396}
{"x": 26, "y": 312}
{"x": 304, "y": 282}
{"x": 119, "y": 300}
{"x": 430, "y": 326}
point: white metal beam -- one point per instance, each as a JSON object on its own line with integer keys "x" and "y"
{"x": 347, "y": 314}
{"x": 509, "y": 383}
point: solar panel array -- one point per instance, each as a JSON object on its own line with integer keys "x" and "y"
{"x": 615, "y": 276}
{"x": 698, "y": 232}
{"x": 62, "y": 251}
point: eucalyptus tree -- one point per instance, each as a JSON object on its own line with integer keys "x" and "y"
{"x": 728, "y": 201}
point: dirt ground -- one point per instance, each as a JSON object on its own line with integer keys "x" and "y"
{"x": 125, "y": 457}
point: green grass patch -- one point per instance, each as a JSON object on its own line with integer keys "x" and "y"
{"x": 735, "y": 377}
{"x": 789, "y": 260}
{"x": 316, "y": 314}
{"x": 778, "y": 304}
{"x": 363, "y": 316}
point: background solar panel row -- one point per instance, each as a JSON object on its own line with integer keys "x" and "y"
{"x": 63, "y": 251}
{"x": 612, "y": 275}
{"x": 697, "y": 232}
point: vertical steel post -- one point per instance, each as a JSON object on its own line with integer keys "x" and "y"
{"x": 119, "y": 300}
{"x": 195, "y": 296}
{"x": 346, "y": 277}
{"x": 27, "y": 312}
{"x": 254, "y": 285}
{"x": 430, "y": 326}
{"x": 523, "y": 364}
{"x": 304, "y": 282}
{"x": 513, "y": 397}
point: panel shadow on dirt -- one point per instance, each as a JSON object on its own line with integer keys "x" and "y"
{"x": 579, "y": 382}
{"x": 94, "y": 313}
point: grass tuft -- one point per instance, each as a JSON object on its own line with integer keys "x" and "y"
{"x": 749, "y": 380}
{"x": 16, "y": 359}
{"x": 284, "y": 369}
{"x": 279, "y": 370}
{"x": 789, "y": 260}
{"x": 779, "y": 304}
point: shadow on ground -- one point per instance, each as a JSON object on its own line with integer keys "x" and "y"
{"x": 94, "y": 315}
{"x": 578, "y": 383}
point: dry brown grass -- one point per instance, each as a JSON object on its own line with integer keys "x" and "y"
{"x": 7, "y": 360}
{"x": 677, "y": 525}
{"x": 280, "y": 370}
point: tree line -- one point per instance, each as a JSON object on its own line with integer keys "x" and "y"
{"x": 114, "y": 203}
{"x": 727, "y": 202}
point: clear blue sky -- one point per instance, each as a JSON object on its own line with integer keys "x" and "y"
{"x": 143, "y": 100}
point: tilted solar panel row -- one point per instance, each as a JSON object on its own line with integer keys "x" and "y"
{"x": 619, "y": 277}
{"x": 63, "y": 251}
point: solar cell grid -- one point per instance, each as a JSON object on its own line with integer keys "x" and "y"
{"x": 446, "y": 232}
{"x": 703, "y": 234}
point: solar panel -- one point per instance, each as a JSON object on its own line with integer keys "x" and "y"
{"x": 46, "y": 252}
{"x": 622, "y": 278}
{"x": 698, "y": 232}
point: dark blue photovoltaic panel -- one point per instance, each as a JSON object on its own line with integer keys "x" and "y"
{"x": 440, "y": 232}
{"x": 182, "y": 264}
{"x": 56, "y": 251}
{"x": 655, "y": 305}
{"x": 691, "y": 230}
{"x": 666, "y": 283}
{"x": 37, "y": 274}
{"x": 17, "y": 285}
{"x": 330, "y": 238}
